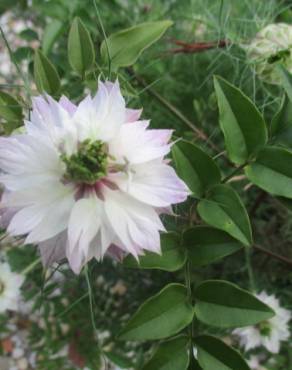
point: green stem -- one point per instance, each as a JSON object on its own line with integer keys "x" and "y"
{"x": 234, "y": 172}
{"x": 30, "y": 267}
{"x": 248, "y": 252}
{"x": 189, "y": 292}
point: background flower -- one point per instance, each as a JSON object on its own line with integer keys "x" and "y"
{"x": 10, "y": 284}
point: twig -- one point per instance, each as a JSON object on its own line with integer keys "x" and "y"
{"x": 273, "y": 255}
{"x": 176, "y": 112}
{"x": 197, "y": 47}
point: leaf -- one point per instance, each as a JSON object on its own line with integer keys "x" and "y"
{"x": 126, "y": 46}
{"x": 10, "y": 109}
{"x": 118, "y": 359}
{"x": 28, "y": 34}
{"x": 170, "y": 355}
{"x": 45, "y": 74}
{"x": 80, "y": 48}
{"x": 272, "y": 171}
{"x": 51, "y": 32}
{"x": 224, "y": 210}
{"x": 225, "y": 305}
{"x": 286, "y": 79}
{"x": 215, "y": 354}
{"x": 161, "y": 316}
{"x": 206, "y": 245}
{"x": 195, "y": 167}
{"x": 172, "y": 257}
{"x": 281, "y": 126}
{"x": 242, "y": 124}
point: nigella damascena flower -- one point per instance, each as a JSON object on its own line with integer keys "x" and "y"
{"x": 269, "y": 333}
{"x": 10, "y": 284}
{"x": 87, "y": 180}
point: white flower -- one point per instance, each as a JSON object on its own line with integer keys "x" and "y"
{"x": 269, "y": 333}
{"x": 87, "y": 180}
{"x": 255, "y": 364}
{"x": 10, "y": 284}
{"x": 272, "y": 45}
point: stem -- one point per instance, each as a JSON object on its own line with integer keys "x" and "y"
{"x": 189, "y": 292}
{"x": 22, "y": 76}
{"x": 30, "y": 267}
{"x": 273, "y": 255}
{"x": 105, "y": 38}
{"x": 234, "y": 172}
{"x": 249, "y": 269}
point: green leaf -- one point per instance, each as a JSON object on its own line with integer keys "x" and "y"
{"x": 161, "y": 316}
{"x": 170, "y": 355}
{"x": 80, "y": 48}
{"x": 224, "y": 210}
{"x": 29, "y": 35}
{"x": 281, "y": 127}
{"x": 45, "y": 74}
{"x": 225, "y": 305}
{"x": 213, "y": 354}
{"x": 127, "y": 45}
{"x": 195, "y": 167}
{"x": 242, "y": 124}
{"x": 10, "y": 109}
{"x": 206, "y": 245}
{"x": 286, "y": 79}
{"x": 51, "y": 32}
{"x": 272, "y": 171}
{"x": 118, "y": 359}
{"x": 172, "y": 257}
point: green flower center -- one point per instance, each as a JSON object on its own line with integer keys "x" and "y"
{"x": 264, "y": 328}
{"x": 89, "y": 164}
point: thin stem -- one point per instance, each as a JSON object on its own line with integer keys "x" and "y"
{"x": 22, "y": 76}
{"x": 233, "y": 173}
{"x": 90, "y": 298}
{"x": 189, "y": 292}
{"x": 105, "y": 38}
{"x": 273, "y": 255}
{"x": 249, "y": 269}
{"x": 31, "y": 266}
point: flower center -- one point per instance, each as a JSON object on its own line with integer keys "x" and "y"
{"x": 264, "y": 328}
{"x": 2, "y": 287}
{"x": 89, "y": 164}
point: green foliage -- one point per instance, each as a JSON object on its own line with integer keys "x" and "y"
{"x": 125, "y": 47}
{"x": 224, "y": 305}
{"x": 272, "y": 171}
{"x": 51, "y": 33}
{"x": 45, "y": 74}
{"x": 215, "y": 354}
{"x": 11, "y": 111}
{"x": 170, "y": 355}
{"x": 80, "y": 48}
{"x": 242, "y": 124}
{"x": 172, "y": 257}
{"x": 160, "y": 316}
{"x": 224, "y": 210}
{"x": 207, "y": 245}
{"x": 195, "y": 167}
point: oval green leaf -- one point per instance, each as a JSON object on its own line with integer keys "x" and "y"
{"x": 80, "y": 48}
{"x": 242, "y": 124}
{"x": 195, "y": 167}
{"x": 286, "y": 79}
{"x": 172, "y": 257}
{"x": 170, "y": 355}
{"x": 51, "y": 32}
{"x": 161, "y": 316}
{"x": 215, "y": 354}
{"x": 224, "y": 210}
{"x": 126, "y": 46}
{"x": 207, "y": 245}
{"x": 10, "y": 109}
{"x": 225, "y": 305}
{"x": 45, "y": 74}
{"x": 272, "y": 171}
